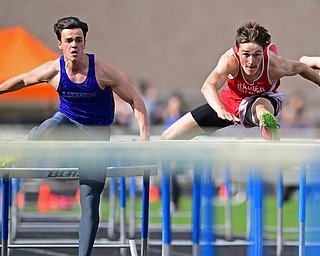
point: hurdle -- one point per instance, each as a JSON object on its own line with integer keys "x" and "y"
{"x": 295, "y": 155}
{"x": 205, "y": 152}
{"x": 65, "y": 173}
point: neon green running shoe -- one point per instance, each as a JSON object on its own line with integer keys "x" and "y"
{"x": 269, "y": 127}
{"x": 6, "y": 160}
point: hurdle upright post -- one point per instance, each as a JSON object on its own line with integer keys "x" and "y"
{"x": 255, "y": 197}
{"x": 207, "y": 206}
{"x": 5, "y": 214}
{"x": 228, "y": 214}
{"x": 132, "y": 219}
{"x": 123, "y": 251}
{"x": 166, "y": 219}
{"x": 249, "y": 206}
{"x": 280, "y": 213}
{"x": 302, "y": 209}
{"x": 112, "y": 208}
{"x": 258, "y": 211}
{"x": 145, "y": 214}
{"x": 313, "y": 206}
{"x": 15, "y": 204}
{"x": 196, "y": 208}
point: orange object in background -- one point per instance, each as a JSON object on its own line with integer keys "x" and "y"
{"x": 21, "y": 52}
{"x": 78, "y": 195}
{"x": 20, "y": 199}
{"x": 44, "y": 198}
{"x": 48, "y": 201}
{"x": 154, "y": 194}
{"x": 223, "y": 192}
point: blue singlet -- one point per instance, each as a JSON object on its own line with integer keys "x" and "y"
{"x": 86, "y": 102}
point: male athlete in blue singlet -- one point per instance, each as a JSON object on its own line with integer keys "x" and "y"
{"x": 85, "y": 84}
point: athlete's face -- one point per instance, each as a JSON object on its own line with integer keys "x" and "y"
{"x": 251, "y": 56}
{"x": 72, "y": 43}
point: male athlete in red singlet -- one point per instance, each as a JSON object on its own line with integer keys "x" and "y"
{"x": 252, "y": 70}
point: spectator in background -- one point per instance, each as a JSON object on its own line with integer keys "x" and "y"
{"x": 295, "y": 113}
{"x": 123, "y": 112}
{"x": 175, "y": 109}
{"x": 154, "y": 106}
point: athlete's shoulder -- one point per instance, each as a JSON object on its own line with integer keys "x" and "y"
{"x": 101, "y": 63}
{"x": 48, "y": 68}
{"x": 229, "y": 52}
{"x": 229, "y": 57}
{"x": 53, "y": 64}
{"x": 228, "y": 62}
{"x": 277, "y": 66}
{"x": 271, "y": 48}
{"x": 106, "y": 73}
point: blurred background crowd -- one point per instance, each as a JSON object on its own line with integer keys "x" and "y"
{"x": 166, "y": 50}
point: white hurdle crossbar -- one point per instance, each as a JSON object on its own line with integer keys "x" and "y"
{"x": 66, "y": 173}
{"x": 57, "y": 172}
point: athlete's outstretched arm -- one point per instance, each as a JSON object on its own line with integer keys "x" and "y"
{"x": 226, "y": 65}
{"x": 42, "y": 73}
{"x": 108, "y": 75}
{"x": 129, "y": 94}
{"x": 280, "y": 67}
{"x": 313, "y": 62}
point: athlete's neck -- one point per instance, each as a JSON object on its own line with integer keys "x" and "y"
{"x": 79, "y": 66}
{"x": 77, "y": 70}
{"x": 252, "y": 78}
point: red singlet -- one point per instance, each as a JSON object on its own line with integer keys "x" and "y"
{"x": 238, "y": 88}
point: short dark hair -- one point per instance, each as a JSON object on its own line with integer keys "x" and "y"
{"x": 252, "y": 32}
{"x": 69, "y": 23}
